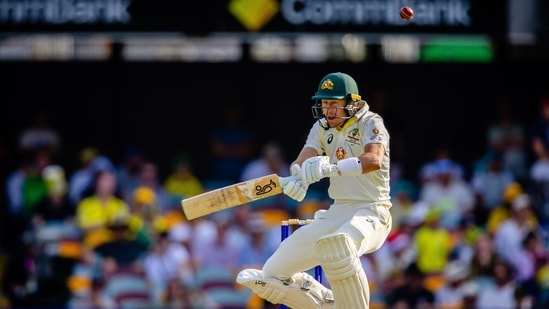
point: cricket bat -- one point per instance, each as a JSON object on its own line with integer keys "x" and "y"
{"x": 233, "y": 195}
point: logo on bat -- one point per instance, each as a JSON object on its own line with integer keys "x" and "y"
{"x": 260, "y": 190}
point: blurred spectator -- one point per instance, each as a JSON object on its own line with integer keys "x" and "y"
{"x": 433, "y": 244}
{"x": 56, "y": 207}
{"x": 528, "y": 262}
{"x": 85, "y": 280}
{"x": 221, "y": 251}
{"x": 257, "y": 249}
{"x": 448, "y": 192}
{"x": 94, "y": 212}
{"x": 118, "y": 267}
{"x": 14, "y": 185}
{"x": 168, "y": 259}
{"x": 469, "y": 290}
{"x": 542, "y": 279}
{"x": 180, "y": 234}
{"x": 499, "y": 293}
{"x": 81, "y": 181}
{"x": 539, "y": 170}
{"x": 203, "y": 230}
{"x": 429, "y": 170}
{"x": 122, "y": 251}
{"x": 271, "y": 161}
{"x": 29, "y": 165}
{"x": 505, "y": 210}
{"x": 464, "y": 238}
{"x": 146, "y": 218}
{"x": 231, "y": 143}
{"x": 178, "y": 296}
{"x": 451, "y": 295}
{"x": 149, "y": 178}
{"x": 511, "y": 232}
{"x": 398, "y": 253}
{"x": 182, "y": 182}
{"x": 489, "y": 183}
{"x": 34, "y": 187}
{"x": 411, "y": 294}
{"x": 40, "y": 135}
{"x": 129, "y": 171}
{"x": 484, "y": 258}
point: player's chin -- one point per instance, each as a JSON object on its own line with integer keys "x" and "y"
{"x": 334, "y": 122}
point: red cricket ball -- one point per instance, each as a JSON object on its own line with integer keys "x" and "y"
{"x": 406, "y": 13}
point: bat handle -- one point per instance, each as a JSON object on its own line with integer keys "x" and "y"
{"x": 284, "y": 180}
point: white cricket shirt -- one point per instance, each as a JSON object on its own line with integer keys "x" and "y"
{"x": 364, "y": 128}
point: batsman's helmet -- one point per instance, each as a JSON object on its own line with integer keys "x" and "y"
{"x": 336, "y": 86}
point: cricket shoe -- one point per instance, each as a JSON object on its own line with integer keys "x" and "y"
{"x": 300, "y": 291}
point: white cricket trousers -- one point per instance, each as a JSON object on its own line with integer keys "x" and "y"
{"x": 368, "y": 225}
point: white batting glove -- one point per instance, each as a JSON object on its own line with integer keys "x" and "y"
{"x": 295, "y": 188}
{"x": 316, "y": 168}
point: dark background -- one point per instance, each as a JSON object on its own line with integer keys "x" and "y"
{"x": 168, "y": 108}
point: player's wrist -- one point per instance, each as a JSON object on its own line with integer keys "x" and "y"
{"x": 347, "y": 167}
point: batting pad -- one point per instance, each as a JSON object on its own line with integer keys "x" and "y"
{"x": 301, "y": 291}
{"x": 341, "y": 264}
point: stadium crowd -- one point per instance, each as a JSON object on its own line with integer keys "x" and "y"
{"x": 112, "y": 234}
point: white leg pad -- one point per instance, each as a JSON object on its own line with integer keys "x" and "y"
{"x": 301, "y": 291}
{"x": 343, "y": 269}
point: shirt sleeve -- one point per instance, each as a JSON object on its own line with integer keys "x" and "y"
{"x": 314, "y": 138}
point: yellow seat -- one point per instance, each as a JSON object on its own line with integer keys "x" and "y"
{"x": 273, "y": 217}
{"x": 307, "y": 209}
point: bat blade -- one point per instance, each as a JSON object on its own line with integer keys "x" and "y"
{"x": 231, "y": 196}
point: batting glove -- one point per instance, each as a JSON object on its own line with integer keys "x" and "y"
{"x": 295, "y": 188}
{"x": 316, "y": 168}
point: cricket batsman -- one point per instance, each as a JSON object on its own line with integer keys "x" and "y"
{"x": 349, "y": 144}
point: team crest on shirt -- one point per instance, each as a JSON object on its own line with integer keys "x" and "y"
{"x": 327, "y": 85}
{"x": 353, "y": 137}
{"x": 341, "y": 153}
